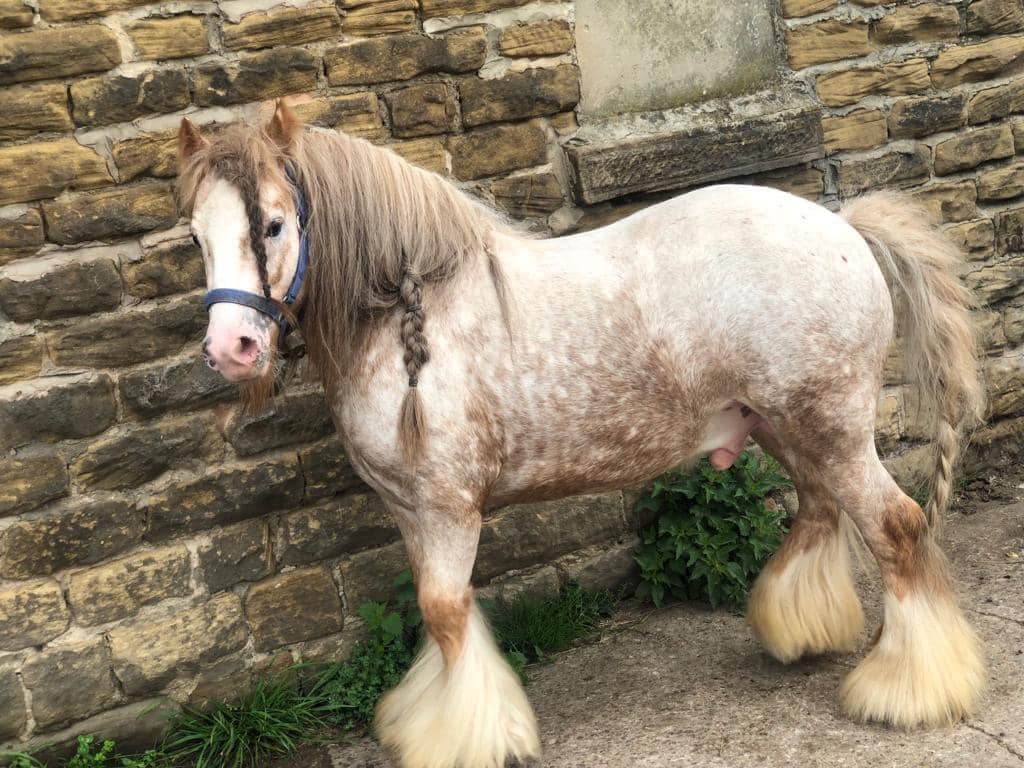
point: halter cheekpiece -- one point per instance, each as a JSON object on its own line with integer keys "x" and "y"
{"x": 262, "y": 303}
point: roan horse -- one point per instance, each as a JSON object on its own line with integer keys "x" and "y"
{"x": 467, "y": 367}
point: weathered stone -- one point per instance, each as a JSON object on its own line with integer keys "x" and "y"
{"x": 995, "y": 282}
{"x": 950, "y": 201}
{"x": 21, "y": 234}
{"x": 837, "y": 89}
{"x": 1004, "y": 380}
{"x": 289, "y": 26}
{"x": 335, "y": 527}
{"x": 32, "y": 109}
{"x": 117, "y": 99}
{"x": 796, "y": 8}
{"x": 605, "y": 568}
{"x": 1001, "y": 183}
{"x": 422, "y": 110}
{"x": 564, "y": 124}
{"x": 155, "y": 155}
{"x": 45, "y": 54}
{"x": 168, "y": 267}
{"x": 176, "y": 37}
{"x": 227, "y": 495}
{"x": 922, "y": 23}
{"x": 149, "y": 653}
{"x": 77, "y": 532}
{"x": 136, "y": 456}
{"x": 806, "y": 182}
{"x": 235, "y": 553}
{"x": 55, "y": 408}
{"x": 1009, "y": 231}
{"x": 824, "y": 41}
{"x": 986, "y": 17}
{"x": 182, "y": 384}
{"x": 110, "y": 213}
{"x": 69, "y": 10}
{"x": 224, "y": 681}
{"x": 120, "y": 588}
{"x": 13, "y": 715}
{"x": 549, "y": 37}
{"x": 370, "y": 575}
{"x": 519, "y": 95}
{"x": 928, "y": 114}
{"x": 528, "y": 195}
{"x": 288, "y": 420}
{"x": 356, "y": 114}
{"x": 29, "y": 481}
{"x": 70, "y": 284}
{"x": 31, "y": 613}
{"x": 425, "y": 153}
{"x": 21, "y": 357}
{"x": 403, "y": 57}
{"x": 981, "y": 61}
{"x": 860, "y": 129}
{"x": 973, "y": 148}
{"x": 35, "y": 171}
{"x": 976, "y": 239}
{"x": 15, "y": 14}
{"x": 535, "y": 582}
{"x": 892, "y": 168}
{"x": 1017, "y": 126}
{"x": 1013, "y": 323}
{"x": 433, "y": 8}
{"x": 497, "y": 149}
{"x": 133, "y": 336}
{"x": 992, "y": 103}
{"x": 294, "y": 606}
{"x": 326, "y": 470}
{"x": 260, "y": 76}
{"x": 69, "y": 683}
{"x": 366, "y": 18}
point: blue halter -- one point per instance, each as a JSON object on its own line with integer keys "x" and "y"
{"x": 261, "y": 303}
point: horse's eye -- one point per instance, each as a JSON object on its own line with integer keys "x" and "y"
{"x": 275, "y": 227}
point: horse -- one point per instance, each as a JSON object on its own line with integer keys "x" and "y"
{"x": 468, "y": 367}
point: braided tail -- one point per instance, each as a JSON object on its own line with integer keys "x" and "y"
{"x": 411, "y": 423}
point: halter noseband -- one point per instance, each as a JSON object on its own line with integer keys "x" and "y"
{"x": 262, "y": 303}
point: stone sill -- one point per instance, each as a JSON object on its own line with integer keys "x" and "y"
{"x": 686, "y": 147}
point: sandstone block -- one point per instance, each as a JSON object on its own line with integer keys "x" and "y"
{"x": 1013, "y": 323}
{"x": 528, "y": 195}
{"x": 21, "y": 357}
{"x": 422, "y": 110}
{"x": 155, "y": 155}
{"x": 32, "y": 109}
{"x": 226, "y": 495}
{"x": 796, "y": 8}
{"x": 177, "y": 37}
{"x": 986, "y": 17}
{"x": 428, "y": 154}
{"x": 1009, "y": 231}
{"x": 45, "y": 54}
{"x": 1004, "y": 380}
{"x": 370, "y": 575}
{"x": 981, "y": 61}
{"x": 70, "y": 10}
{"x": 550, "y": 37}
{"x": 258, "y": 77}
{"x": 289, "y": 26}
{"x": 433, "y": 8}
{"x": 12, "y": 700}
{"x": 837, "y": 89}
{"x": 167, "y": 267}
{"x": 520, "y": 95}
{"x": 118, "y": 589}
{"x": 995, "y": 282}
{"x": 606, "y": 568}
{"x": 55, "y": 409}
{"x": 289, "y": 420}
{"x": 21, "y": 234}
{"x": 860, "y": 129}
{"x": 110, "y": 213}
{"x": 824, "y": 41}
{"x": 15, "y": 14}
{"x": 69, "y": 683}
{"x": 29, "y": 481}
{"x": 976, "y": 239}
{"x": 326, "y": 470}
{"x": 335, "y": 527}
{"x": 497, "y": 149}
{"x": 1001, "y": 183}
{"x": 236, "y": 553}
{"x": 84, "y": 282}
{"x": 806, "y": 182}
{"x": 132, "y": 336}
{"x": 929, "y": 114}
{"x": 993, "y": 103}
{"x": 950, "y": 201}
{"x": 147, "y": 654}
{"x": 922, "y": 23}
{"x": 117, "y": 99}
{"x": 179, "y": 385}
{"x": 403, "y": 57}
{"x": 35, "y": 171}
{"x": 294, "y": 606}
{"x": 892, "y": 168}
{"x": 33, "y": 613}
{"x": 357, "y": 114}
{"x": 973, "y": 148}
{"x": 366, "y": 18}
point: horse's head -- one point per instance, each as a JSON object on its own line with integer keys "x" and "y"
{"x": 245, "y": 215}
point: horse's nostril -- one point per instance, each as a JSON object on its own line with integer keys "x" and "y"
{"x": 206, "y": 347}
{"x": 247, "y": 343}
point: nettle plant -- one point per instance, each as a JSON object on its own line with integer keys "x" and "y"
{"x": 713, "y": 533}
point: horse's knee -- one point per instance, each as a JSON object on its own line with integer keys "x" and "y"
{"x": 446, "y": 615}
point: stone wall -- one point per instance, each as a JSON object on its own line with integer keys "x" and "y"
{"x": 155, "y": 548}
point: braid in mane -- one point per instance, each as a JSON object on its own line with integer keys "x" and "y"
{"x": 416, "y": 356}
{"x": 249, "y": 185}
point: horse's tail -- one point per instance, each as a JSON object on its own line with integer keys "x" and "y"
{"x": 933, "y": 311}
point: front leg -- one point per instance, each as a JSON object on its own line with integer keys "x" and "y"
{"x": 460, "y": 705}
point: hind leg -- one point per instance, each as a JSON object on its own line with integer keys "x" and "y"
{"x": 460, "y": 705}
{"x": 804, "y": 601}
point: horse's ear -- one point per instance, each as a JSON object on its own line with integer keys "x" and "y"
{"x": 189, "y": 141}
{"x": 284, "y": 125}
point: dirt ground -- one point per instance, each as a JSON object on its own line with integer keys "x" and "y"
{"x": 687, "y": 686}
